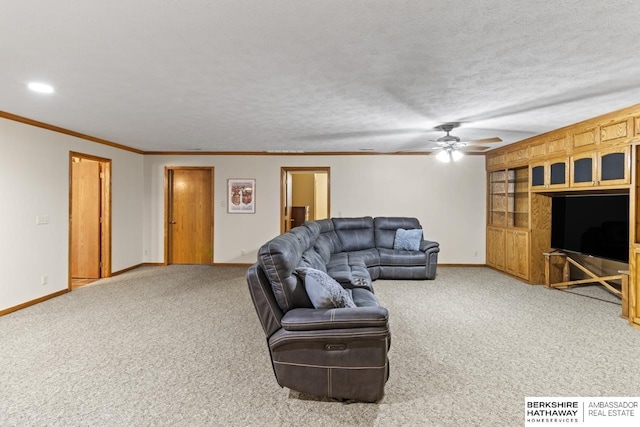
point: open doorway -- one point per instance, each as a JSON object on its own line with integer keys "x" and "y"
{"x": 89, "y": 219}
{"x": 304, "y": 194}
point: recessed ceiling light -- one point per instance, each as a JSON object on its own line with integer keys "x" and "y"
{"x": 40, "y": 87}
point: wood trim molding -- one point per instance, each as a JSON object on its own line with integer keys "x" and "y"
{"x": 133, "y": 267}
{"x": 316, "y": 153}
{"x": 284, "y": 172}
{"x": 32, "y": 302}
{"x": 36, "y": 123}
{"x": 106, "y": 212}
{"x": 25, "y": 120}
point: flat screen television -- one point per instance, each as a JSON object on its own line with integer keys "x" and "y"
{"x": 596, "y": 225}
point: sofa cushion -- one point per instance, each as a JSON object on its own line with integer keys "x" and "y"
{"x": 385, "y": 229}
{"x": 355, "y": 233}
{"x": 349, "y": 271}
{"x": 279, "y": 258}
{"x": 408, "y": 239}
{"x": 364, "y": 298}
{"x": 323, "y": 291}
{"x": 327, "y": 241}
{"x": 311, "y": 258}
{"x": 392, "y": 257}
{"x": 370, "y": 257}
{"x": 338, "y": 267}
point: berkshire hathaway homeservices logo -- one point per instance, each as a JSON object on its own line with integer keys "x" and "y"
{"x": 582, "y": 411}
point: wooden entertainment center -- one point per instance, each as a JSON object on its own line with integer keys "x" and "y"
{"x": 599, "y": 155}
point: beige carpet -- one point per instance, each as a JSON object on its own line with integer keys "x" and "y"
{"x": 182, "y": 346}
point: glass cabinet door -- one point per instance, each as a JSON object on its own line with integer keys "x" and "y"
{"x": 509, "y": 198}
{"x": 498, "y": 198}
{"x": 518, "y": 205}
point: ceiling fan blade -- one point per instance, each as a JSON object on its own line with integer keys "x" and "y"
{"x": 484, "y": 141}
{"x": 474, "y": 148}
{"x": 423, "y": 149}
{"x": 475, "y": 141}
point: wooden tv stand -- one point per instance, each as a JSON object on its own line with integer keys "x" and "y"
{"x": 566, "y": 260}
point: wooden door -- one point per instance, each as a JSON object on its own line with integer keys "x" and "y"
{"x": 190, "y": 216}
{"x": 614, "y": 166}
{"x": 299, "y": 214}
{"x": 85, "y": 219}
{"x": 288, "y": 201}
{"x": 634, "y": 287}
{"x": 558, "y": 175}
{"x": 583, "y": 169}
{"x": 496, "y": 247}
{"x": 517, "y": 254}
{"x": 538, "y": 175}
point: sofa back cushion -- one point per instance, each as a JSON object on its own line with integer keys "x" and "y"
{"x": 327, "y": 242}
{"x": 312, "y": 259}
{"x": 355, "y": 234}
{"x": 385, "y": 229}
{"x": 279, "y": 258}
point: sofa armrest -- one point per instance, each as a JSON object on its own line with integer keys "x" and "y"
{"x": 426, "y": 245}
{"x": 308, "y": 319}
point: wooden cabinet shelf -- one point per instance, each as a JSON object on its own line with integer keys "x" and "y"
{"x": 509, "y": 198}
{"x": 517, "y": 253}
{"x": 508, "y": 250}
{"x": 599, "y": 155}
{"x": 508, "y": 221}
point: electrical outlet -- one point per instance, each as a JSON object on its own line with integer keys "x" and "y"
{"x": 44, "y": 279}
{"x": 243, "y": 252}
{"x": 475, "y": 253}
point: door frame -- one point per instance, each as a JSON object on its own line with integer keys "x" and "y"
{"x": 167, "y": 206}
{"x": 105, "y": 213}
{"x": 285, "y": 190}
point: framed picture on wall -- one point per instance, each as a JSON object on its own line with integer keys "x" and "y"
{"x": 241, "y": 195}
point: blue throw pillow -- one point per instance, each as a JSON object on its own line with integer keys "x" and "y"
{"x": 323, "y": 290}
{"x": 408, "y": 239}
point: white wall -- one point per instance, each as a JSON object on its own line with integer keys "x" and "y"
{"x": 448, "y": 199}
{"x": 34, "y": 180}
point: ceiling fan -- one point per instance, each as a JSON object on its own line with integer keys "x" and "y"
{"x": 450, "y": 147}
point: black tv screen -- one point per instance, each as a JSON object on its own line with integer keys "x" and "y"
{"x": 596, "y": 225}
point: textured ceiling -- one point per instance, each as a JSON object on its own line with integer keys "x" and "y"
{"x": 316, "y": 75}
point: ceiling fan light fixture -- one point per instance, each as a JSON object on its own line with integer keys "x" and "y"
{"x": 443, "y": 156}
{"x": 449, "y": 154}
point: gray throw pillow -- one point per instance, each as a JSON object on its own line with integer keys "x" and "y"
{"x": 323, "y": 290}
{"x": 408, "y": 239}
